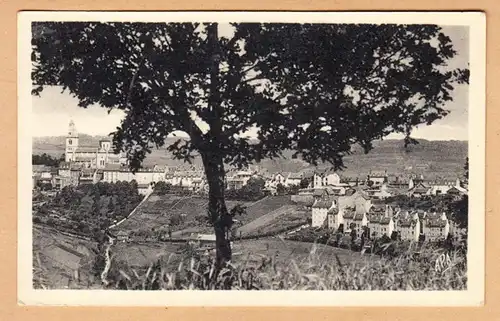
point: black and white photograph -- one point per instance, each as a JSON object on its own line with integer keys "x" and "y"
{"x": 289, "y": 158}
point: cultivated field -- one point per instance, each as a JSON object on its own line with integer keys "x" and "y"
{"x": 264, "y": 206}
{"x": 283, "y": 251}
{"x": 157, "y": 211}
{"x": 140, "y": 255}
{"x": 276, "y": 221}
{"x": 248, "y": 251}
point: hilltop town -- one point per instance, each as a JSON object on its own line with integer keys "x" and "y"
{"x": 377, "y": 205}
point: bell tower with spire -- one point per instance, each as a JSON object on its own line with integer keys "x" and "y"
{"x": 71, "y": 142}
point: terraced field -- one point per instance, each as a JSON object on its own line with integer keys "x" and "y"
{"x": 157, "y": 211}
{"x": 61, "y": 261}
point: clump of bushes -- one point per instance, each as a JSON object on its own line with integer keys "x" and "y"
{"x": 320, "y": 235}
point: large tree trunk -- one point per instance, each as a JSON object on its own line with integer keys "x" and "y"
{"x": 217, "y": 210}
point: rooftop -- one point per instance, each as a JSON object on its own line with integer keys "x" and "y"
{"x": 385, "y": 220}
{"x": 349, "y": 213}
{"x": 113, "y": 167}
{"x": 436, "y": 223}
{"x": 86, "y": 149}
{"x": 333, "y": 210}
{"x": 295, "y": 176}
{"x": 318, "y": 192}
{"x": 407, "y": 222}
{"x": 325, "y": 202}
{"x": 378, "y": 174}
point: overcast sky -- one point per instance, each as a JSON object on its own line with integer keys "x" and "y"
{"x": 53, "y": 110}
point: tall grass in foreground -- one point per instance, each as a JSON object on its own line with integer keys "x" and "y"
{"x": 405, "y": 272}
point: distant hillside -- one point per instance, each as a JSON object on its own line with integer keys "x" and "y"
{"x": 433, "y": 158}
{"x": 55, "y": 145}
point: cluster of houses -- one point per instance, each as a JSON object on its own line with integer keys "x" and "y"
{"x": 356, "y": 211}
{"x": 376, "y": 185}
{"x": 92, "y": 164}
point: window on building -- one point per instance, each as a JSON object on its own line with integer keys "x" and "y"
{"x": 70, "y": 142}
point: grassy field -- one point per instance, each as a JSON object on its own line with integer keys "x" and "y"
{"x": 264, "y": 264}
{"x": 283, "y": 251}
{"x": 138, "y": 255}
{"x": 273, "y": 264}
{"x": 249, "y": 251}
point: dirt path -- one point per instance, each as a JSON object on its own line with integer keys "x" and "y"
{"x": 104, "y": 273}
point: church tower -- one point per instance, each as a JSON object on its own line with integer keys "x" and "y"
{"x": 71, "y": 142}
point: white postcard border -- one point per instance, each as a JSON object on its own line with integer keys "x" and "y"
{"x": 473, "y": 296}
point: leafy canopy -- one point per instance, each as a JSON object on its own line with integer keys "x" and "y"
{"x": 316, "y": 89}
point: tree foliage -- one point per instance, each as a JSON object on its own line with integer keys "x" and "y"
{"x": 162, "y": 188}
{"x": 253, "y": 190}
{"x": 45, "y": 159}
{"x": 161, "y": 72}
{"x": 97, "y": 206}
{"x": 304, "y": 183}
{"x": 342, "y": 84}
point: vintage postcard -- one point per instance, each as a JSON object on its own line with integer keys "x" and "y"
{"x": 251, "y": 158}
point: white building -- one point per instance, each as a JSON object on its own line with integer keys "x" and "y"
{"x": 113, "y": 173}
{"x": 235, "y": 180}
{"x": 325, "y": 177}
{"x": 293, "y": 179}
{"x": 439, "y": 187}
{"x": 359, "y": 222}
{"x": 334, "y": 218}
{"x": 320, "y": 210}
{"x": 409, "y": 228}
{"x": 436, "y": 227}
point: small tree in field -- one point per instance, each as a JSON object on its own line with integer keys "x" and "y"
{"x": 280, "y": 189}
{"x": 316, "y": 89}
{"x": 304, "y": 183}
